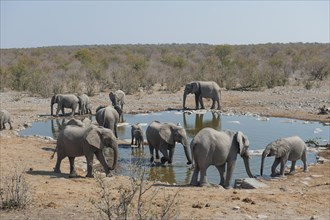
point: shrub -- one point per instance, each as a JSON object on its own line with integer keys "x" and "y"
{"x": 135, "y": 200}
{"x": 14, "y": 192}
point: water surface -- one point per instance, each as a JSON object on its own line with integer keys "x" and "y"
{"x": 260, "y": 131}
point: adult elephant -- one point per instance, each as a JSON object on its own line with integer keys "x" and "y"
{"x": 162, "y": 137}
{"x": 78, "y": 139}
{"x": 218, "y": 148}
{"x": 108, "y": 117}
{"x": 203, "y": 89}
{"x": 64, "y": 101}
{"x": 117, "y": 98}
{"x": 4, "y": 119}
{"x": 284, "y": 149}
{"x": 84, "y": 104}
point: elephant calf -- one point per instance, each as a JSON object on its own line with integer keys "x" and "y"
{"x": 4, "y": 119}
{"x": 284, "y": 149}
{"x": 84, "y": 104}
{"x": 137, "y": 133}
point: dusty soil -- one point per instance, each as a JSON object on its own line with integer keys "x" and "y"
{"x": 55, "y": 196}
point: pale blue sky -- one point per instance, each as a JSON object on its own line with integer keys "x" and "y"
{"x": 26, "y": 24}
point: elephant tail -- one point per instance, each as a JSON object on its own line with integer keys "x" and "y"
{"x": 52, "y": 156}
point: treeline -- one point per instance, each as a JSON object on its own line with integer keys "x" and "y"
{"x": 91, "y": 69}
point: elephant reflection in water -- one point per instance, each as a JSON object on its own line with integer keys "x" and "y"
{"x": 200, "y": 123}
{"x": 167, "y": 175}
{"x": 57, "y": 124}
{"x": 162, "y": 174}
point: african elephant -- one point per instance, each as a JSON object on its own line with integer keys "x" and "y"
{"x": 163, "y": 136}
{"x": 218, "y": 148}
{"x": 4, "y": 119}
{"x": 77, "y": 139}
{"x": 203, "y": 89}
{"x": 137, "y": 134}
{"x": 117, "y": 98}
{"x": 284, "y": 149}
{"x": 64, "y": 101}
{"x": 108, "y": 117}
{"x": 84, "y": 104}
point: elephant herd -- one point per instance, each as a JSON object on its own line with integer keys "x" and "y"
{"x": 208, "y": 147}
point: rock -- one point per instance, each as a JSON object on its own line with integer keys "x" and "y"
{"x": 236, "y": 208}
{"x": 249, "y": 183}
{"x": 262, "y": 216}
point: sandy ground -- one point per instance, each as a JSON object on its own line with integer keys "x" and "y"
{"x": 55, "y": 196}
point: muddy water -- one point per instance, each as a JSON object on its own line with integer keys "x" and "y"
{"x": 260, "y": 131}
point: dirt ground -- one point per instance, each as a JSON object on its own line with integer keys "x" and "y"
{"x": 55, "y": 196}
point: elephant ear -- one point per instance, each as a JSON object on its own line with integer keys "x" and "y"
{"x": 195, "y": 86}
{"x": 93, "y": 138}
{"x": 165, "y": 133}
{"x": 282, "y": 148}
{"x": 243, "y": 142}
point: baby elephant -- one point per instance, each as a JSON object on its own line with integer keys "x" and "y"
{"x": 137, "y": 133}
{"x": 4, "y": 119}
{"x": 284, "y": 149}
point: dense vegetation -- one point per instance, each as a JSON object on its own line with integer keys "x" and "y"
{"x": 91, "y": 69}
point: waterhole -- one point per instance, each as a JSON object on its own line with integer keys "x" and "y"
{"x": 260, "y": 131}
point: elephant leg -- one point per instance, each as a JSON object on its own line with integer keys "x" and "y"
{"x": 165, "y": 157}
{"x": 72, "y": 168}
{"x": 218, "y": 102}
{"x": 194, "y": 178}
{"x": 72, "y": 113}
{"x": 282, "y": 167}
{"x": 201, "y": 101}
{"x": 89, "y": 159}
{"x": 293, "y": 167}
{"x": 132, "y": 140}
{"x": 58, "y": 110}
{"x": 11, "y": 127}
{"x": 63, "y": 111}
{"x": 304, "y": 159}
{"x": 100, "y": 157}
{"x": 230, "y": 170}
{"x": 57, "y": 168}
{"x": 151, "y": 149}
{"x": 213, "y": 104}
{"x": 275, "y": 164}
{"x": 157, "y": 154}
{"x": 197, "y": 101}
{"x": 221, "y": 170}
{"x": 203, "y": 178}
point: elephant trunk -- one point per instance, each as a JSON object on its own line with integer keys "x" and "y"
{"x": 247, "y": 166}
{"x": 115, "y": 157}
{"x": 264, "y": 154}
{"x": 51, "y": 105}
{"x": 184, "y": 98}
{"x": 186, "y": 147}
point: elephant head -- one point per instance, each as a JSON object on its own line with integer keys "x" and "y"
{"x": 172, "y": 133}
{"x": 55, "y": 99}
{"x": 100, "y": 138}
{"x": 243, "y": 145}
{"x": 192, "y": 87}
{"x": 278, "y": 148}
